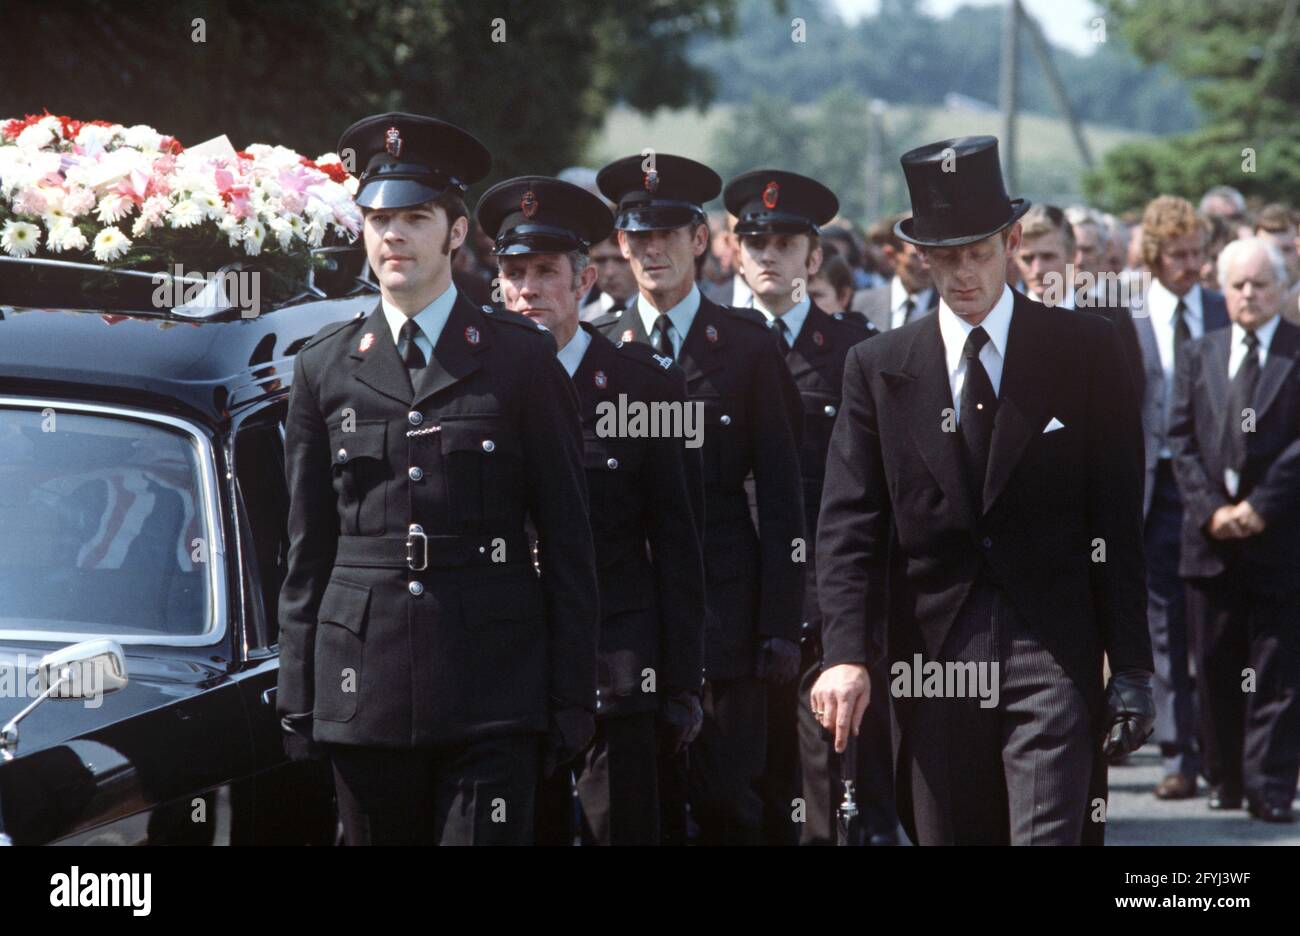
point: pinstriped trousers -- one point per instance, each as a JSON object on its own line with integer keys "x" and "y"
{"x": 1016, "y": 773}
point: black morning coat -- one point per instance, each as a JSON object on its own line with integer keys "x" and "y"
{"x": 733, "y": 367}
{"x": 477, "y": 643}
{"x": 646, "y": 499}
{"x": 1052, "y": 500}
{"x": 1268, "y": 563}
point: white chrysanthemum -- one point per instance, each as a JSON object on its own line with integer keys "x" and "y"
{"x": 20, "y": 238}
{"x": 283, "y": 232}
{"x": 53, "y": 124}
{"x": 143, "y": 138}
{"x": 113, "y": 208}
{"x": 35, "y": 137}
{"x": 72, "y": 238}
{"x": 350, "y": 185}
{"x": 316, "y": 232}
{"x": 210, "y": 203}
{"x": 230, "y": 226}
{"x": 298, "y": 226}
{"x": 55, "y": 218}
{"x": 111, "y": 244}
{"x": 254, "y": 234}
{"x": 93, "y": 139}
{"x": 185, "y": 213}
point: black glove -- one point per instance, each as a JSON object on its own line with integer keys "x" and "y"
{"x": 778, "y": 660}
{"x": 1130, "y": 713}
{"x": 680, "y": 719}
{"x": 298, "y": 743}
{"x": 571, "y": 731}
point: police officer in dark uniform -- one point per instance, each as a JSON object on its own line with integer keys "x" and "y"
{"x": 420, "y": 647}
{"x": 779, "y": 215}
{"x": 649, "y": 563}
{"x": 752, "y": 415}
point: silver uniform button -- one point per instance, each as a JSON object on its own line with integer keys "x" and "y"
{"x": 489, "y": 446}
{"x": 414, "y": 418}
{"x": 342, "y": 454}
{"x": 830, "y": 410}
{"x": 725, "y": 419}
{"x": 415, "y": 528}
{"x": 416, "y": 588}
{"x": 612, "y": 463}
{"x": 415, "y": 473}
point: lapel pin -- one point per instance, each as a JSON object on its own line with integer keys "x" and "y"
{"x": 818, "y": 339}
{"x": 601, "y": 380}
{"x": 628, "y": 336}
{"x": 711, "y": 334}
{"x": 367, "y": 340}
{"x": 471, "y": 334}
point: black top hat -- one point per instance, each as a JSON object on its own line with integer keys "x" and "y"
{"x": 772, "y": 201}
{"x": 658, "y": 192}
{"x": 958, "y": 196}
{"x": 536, "y": 214}
{"x": 409, "y": 160}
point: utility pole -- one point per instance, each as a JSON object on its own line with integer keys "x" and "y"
{"x": 1044, "y": 54}
{"x": 1007, "y": 90}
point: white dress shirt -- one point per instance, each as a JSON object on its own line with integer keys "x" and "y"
{"x": 954, "y": 330}
{"x": 571, "y": 354}
{"x": 1160, "y": 304}
{"x": 794, "y": 317}
{"x": 898, "y": 297}
{"x": 680, "y": 316}
{"x": 1236, "y": 355}
{"x": 429, "y": 321}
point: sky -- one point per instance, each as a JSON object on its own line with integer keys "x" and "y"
{"x": 1065, "y": 22}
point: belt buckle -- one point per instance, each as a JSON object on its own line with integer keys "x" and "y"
{"x": 412, "y": 533}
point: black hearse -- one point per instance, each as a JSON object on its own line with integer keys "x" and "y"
{"x": 143, "y": 509}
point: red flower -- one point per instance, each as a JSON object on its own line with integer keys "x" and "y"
{"x": 335, "y": 171}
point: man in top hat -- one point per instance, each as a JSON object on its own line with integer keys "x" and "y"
{"x": 418, "y": 644}
{"x": 778, "y": 218}
{"x": 983, "y": 514}
{"x": 641, "y": 490}
{"x": 751, "y": 413}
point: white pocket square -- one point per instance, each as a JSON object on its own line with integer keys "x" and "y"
{"x": 1054, "y": 425}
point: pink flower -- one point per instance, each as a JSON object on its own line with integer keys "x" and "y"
{"x": 30, "y": 202}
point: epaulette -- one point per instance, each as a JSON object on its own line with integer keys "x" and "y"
{"x": 644, "y": 355}
{"x": 514, "y": 318}
{"x": 854, "y": 318}
{"x": 606, "y": 320}
{"x": 333, "y": 328}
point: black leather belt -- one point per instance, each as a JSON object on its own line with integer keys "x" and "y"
{"x": 417, "y": 551}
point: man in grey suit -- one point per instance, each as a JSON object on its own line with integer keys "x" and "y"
{"x": 1175, "y": 310}
{"x": 909, "y": 295}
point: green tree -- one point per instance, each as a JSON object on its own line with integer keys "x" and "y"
{"x": 1242, "y": 61}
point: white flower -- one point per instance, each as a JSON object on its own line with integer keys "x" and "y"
{"x": 283, "y": 232}
{"x": 254, "y": 234}
{"x": 143, "y": 138}
{"x": 113, "y": 208}
{"x": 350, "y": 185}
{"x": 71, "y": 238}
{"x": 185, "y": 213}
{"x": 210, "y": 203}
{"x": 78, "y": 201}
{"x": 35, "y": 137}
{"x": 20, "y": 238}
{"x": 111, "y": 244}
{"x": 93, "y": 139}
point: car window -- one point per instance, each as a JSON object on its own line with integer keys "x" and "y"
{"x": 103, "y": 526}
{"x": 264, "y": 492}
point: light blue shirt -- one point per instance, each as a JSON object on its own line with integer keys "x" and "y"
{"x": 680, "y": 316}
{"x": 794, "y": 317}
{"x": 429, "y": 321}
{"x": 571, "y": 354}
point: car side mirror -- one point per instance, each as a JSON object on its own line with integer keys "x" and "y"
{"x": 85, "y": 670}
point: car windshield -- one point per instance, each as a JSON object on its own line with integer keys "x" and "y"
{"x": 103, "y": 527}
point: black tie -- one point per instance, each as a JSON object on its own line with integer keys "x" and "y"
{"x": 978, "y": 407}
{"x": 908, "y": 308}
{"x": 1241, "y": 396}
{"x": 782, "y": 334}
{"x": 1182, "y": 331}
{"x": 663, "y": 342}
{"x": 412, "y": 356}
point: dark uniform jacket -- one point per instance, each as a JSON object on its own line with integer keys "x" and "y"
{"x": 734, "y": 369}
{"x": 643, "y": 493}
{"x": 477, "y": 643}
{"x": 1269, "y": 562}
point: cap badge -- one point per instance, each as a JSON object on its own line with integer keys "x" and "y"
{"x": 600, "y": 380}
{"x": 651, "y": 181}
{"x": 529, "y": 204}
{"x": 393, "y": 142}
{"x": 471, "y": 335}
{"x": 818, "y": 339}
{"x": 628, "y": 336}
{"x": 711, "y": 333}
{"x": 367, "y": 340}
{"x": 771, "y": 192}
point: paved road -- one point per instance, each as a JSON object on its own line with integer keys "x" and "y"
{"x": 1136, "y": 817}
